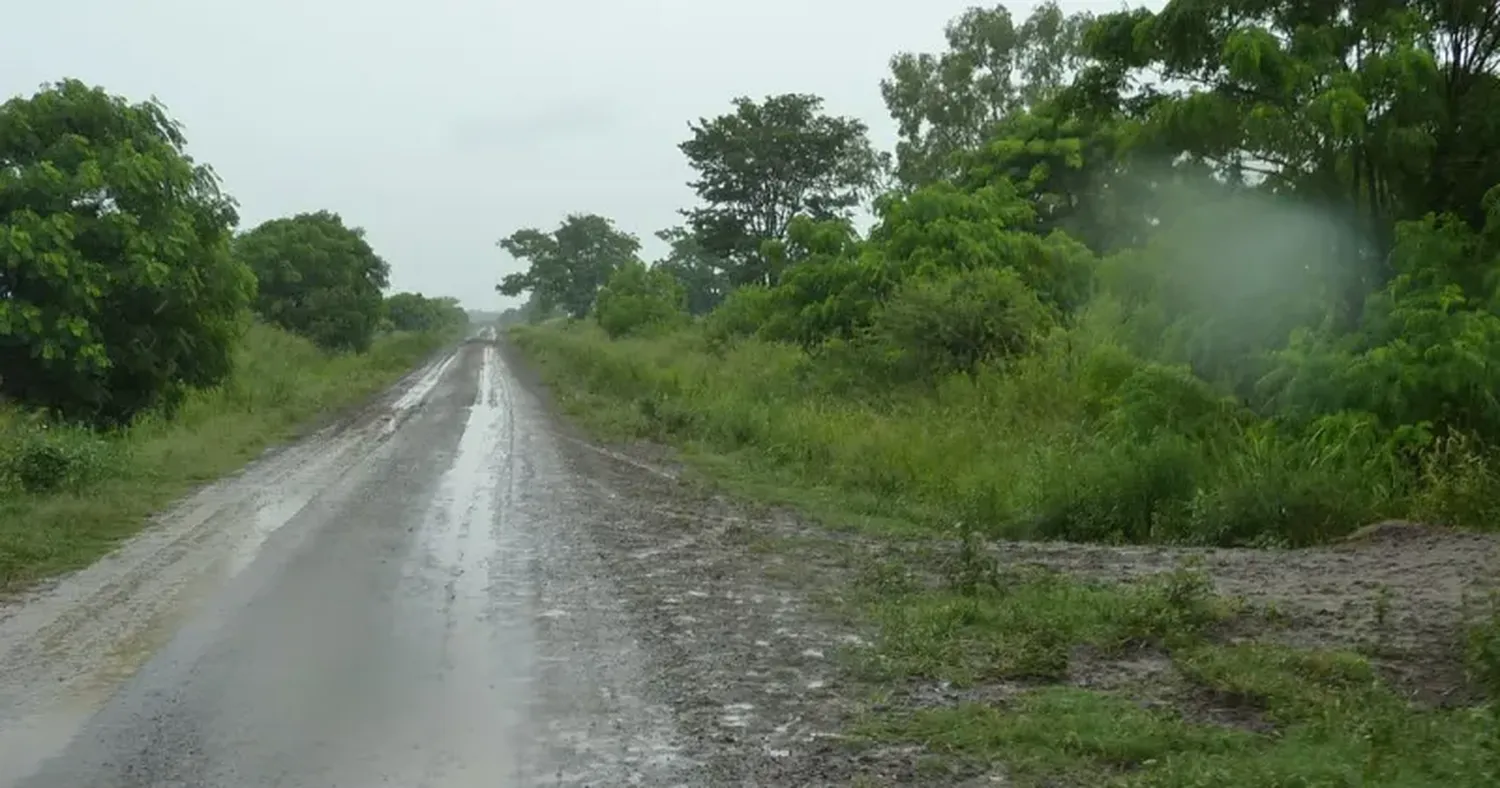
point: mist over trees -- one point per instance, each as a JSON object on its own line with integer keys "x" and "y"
{"x": 1251, "y": 249}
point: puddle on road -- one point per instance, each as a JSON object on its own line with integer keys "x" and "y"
{"x": 476, "y": 628}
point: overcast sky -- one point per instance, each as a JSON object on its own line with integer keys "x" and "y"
{"x": 441, "y": 126}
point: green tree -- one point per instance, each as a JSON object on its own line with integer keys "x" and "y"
{"x": 701, "y": 275}
{"x": 566, "y": 268}
{"x": 117, "y": 289}
{"x": 1378, "y": 112}
{"x": 948, "y": 103}
{"x": 416, "y": 312}
{"x": 318, "y": 278}
{"x": 638, "y": 299}
{"x": 766, "y": 163}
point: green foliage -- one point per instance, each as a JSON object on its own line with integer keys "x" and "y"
{"x": 767, "y": 163}
{"x": 639, "y": 300}
{"x": 567, "y": 267}
{"x": 418, "y": 313}
{"x": 701, "y": 274}
{"x": 41, "y": 456}
{"x": 931, "y": 328}
{"x": 317, "y": 278}
{"x": 1370, "y": 110}
{"x": 745, "y": 311}
{"x": 947, "y": 104}
{"x": 1257, "y": 305}
{"x": 117, "y": 290}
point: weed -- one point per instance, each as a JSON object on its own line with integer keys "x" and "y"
{"x": 1380, "y": 637}
{"x": 972, "y": 569}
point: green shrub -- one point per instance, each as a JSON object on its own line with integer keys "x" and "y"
{"x": 637, "y": 299}
{"x": 958, "y": 321}
{"x": 39, "y": 456}
{"x": 743, "y": 313}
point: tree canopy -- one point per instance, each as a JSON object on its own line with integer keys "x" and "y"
{"x": 951, "y": 102}
{"x": 566, "y": 267}
{"x": 766, "y": 163}
{"x": 416, "y": 312}
{"x": 117, "y": 288}
{"x": 318, "y": 278}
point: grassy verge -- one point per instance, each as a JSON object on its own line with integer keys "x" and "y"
{"x": 68, "y": 496}
{"x": 1046, "y": 678}
{"x": 1058, "y": 682}
{"x": 1075, "y": 442}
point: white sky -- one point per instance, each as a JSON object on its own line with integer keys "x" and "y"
{"x": 441, "y": 126}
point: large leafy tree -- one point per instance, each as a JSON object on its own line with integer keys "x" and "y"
{"x": 566, "y": 267}
{"x": 117, "y": 289}
{"x": 950, "y": 102}
{"x": 767, "y": 162}
{"x": 318, "y": 278}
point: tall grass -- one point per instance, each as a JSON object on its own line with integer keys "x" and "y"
{"x": 68, "y": 495}
{"x": 1075, "y": 441}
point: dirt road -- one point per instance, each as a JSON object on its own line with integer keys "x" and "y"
{"x": 444, "y": 590}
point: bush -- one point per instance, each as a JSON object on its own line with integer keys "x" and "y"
{"x": 318, "y": 278}
{"x": 418, "y": 313}
{"x": 956, "y": 322}
{"x": 637, "y": 300}
{"x": 743, "y": 313}
{"x": 39, "y": 456}
{"x": 119, "y": 290}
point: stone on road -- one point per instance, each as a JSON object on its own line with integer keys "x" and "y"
{"x": 412, "y": 600}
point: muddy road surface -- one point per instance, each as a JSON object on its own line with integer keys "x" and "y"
{"x": 441, "y": 590}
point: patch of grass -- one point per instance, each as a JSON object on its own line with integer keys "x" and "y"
{"x": 1025, "y": 625}
{"x": 1482, "y": 650}
{"x": 1332, "y": 721}
{"x": 68, "y": 496}
{"x": 1336, "y": 727}
{"x": 1059, "y": 732}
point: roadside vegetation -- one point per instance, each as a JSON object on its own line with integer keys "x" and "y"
{"x": 146, "y": 346}
{"x": 1211, "y": 277}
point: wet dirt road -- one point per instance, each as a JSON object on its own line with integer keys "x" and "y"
{"x": 410, "y": 599}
